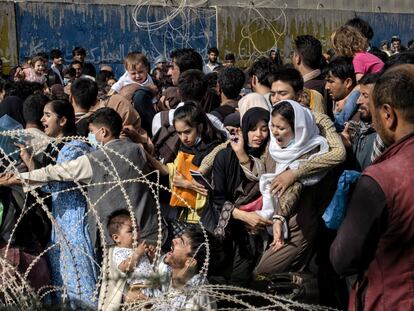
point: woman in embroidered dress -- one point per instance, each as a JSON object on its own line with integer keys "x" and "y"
{"x": 71, "y": 257}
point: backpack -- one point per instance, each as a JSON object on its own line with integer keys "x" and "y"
{"x": 166, "y": 140}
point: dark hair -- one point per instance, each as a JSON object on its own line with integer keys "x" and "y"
{"x": 213, "y": 49}
{"x": 78, "y": 51}
{"x": 288, "y": 75}
{"x": 85, "y": 92}
{"x": 285, "y": 109}
{"x": 278, "y": 61}
{"x": 43, "y": 55}
{"x": 197, "y": 239}
{"x": 380, "y": 54}
{"x": 71, "y": 72}
{"x": 362, "y": 26}
{"x": 342, "y": 68}
{"x": 33, "y": 108}
{"x": 210, "y": 101}
{"x": 370, "y": 78}
{"x": 212, "y": 78}
{"x": 194, "y": 116}
{"x": 103, "y": 76}
{"x": 231, "y": 80}
{"x": 406, "y": 57}
{"x": 395, "y": 87}
{"x": 3, "y": 84}
{"x": 192, "y": 85}
{"x": 187, "y": 59}
{"x": 74, "y": 63}
{"x": 116, "y": 220}
{"x": 55, "y": 53}
{"x": 262, "y": 68}
{"x": 310, "y": 50}
{"x": 63, "y": 108}
{"x": 23, "y": 89}
{"x": 229, "y": 56}
{"x": 108, "y": 118}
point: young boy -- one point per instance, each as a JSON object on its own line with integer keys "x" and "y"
{"x": 134, "y": 263}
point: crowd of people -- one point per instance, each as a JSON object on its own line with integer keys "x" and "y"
{"x": 261, "y": 157}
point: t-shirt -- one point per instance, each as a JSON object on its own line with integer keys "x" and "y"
{"x": 365, "y": 62}
{"x": 142, "y": 271}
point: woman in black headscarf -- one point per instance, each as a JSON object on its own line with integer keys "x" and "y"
{"x": 232, "y": 191}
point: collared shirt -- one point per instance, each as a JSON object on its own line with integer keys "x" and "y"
{"x": 311, "y": 75}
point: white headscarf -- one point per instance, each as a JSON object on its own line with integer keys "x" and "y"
{"x": 307, "y": 138}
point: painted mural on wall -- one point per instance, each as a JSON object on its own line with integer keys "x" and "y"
{"x": 109, "y": 32}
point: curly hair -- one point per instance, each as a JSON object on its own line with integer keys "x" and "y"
{"x": 347, "y": 40}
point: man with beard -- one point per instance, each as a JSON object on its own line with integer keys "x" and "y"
{"x": 181, "y": 271}
{"x": 376, "y": 237}
{"x": 359, "y": 137}
{"x": 213, "y": 54}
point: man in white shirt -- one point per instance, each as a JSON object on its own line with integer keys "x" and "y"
{"x": 213, "y": 54}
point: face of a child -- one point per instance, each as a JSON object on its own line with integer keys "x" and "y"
{"x": 138, "y": 73}
{"x": 282, "y": 131}
{"x": 111, "y": 82}
{"x": 124, "y": 238}
{"x": 39, "y": 67}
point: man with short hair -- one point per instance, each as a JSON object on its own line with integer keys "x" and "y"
{"x": 287, "y": 83}
{"x": 213, "y": 54}
{"x": 359, "y": 136}
{"x": 259, "y": 73}
{"x": 307, "y": 59}
{"x": 79, "y": 54}
{"x": 376, "y": 237}
{"x": 185, "y": 262}
{"x": 57, "y": 67}
{"x": 230, "y": 81}
{"x": 83, "y": 96}
{"x": 78, "y": 66}
{"x": 229, "y": 60}
{"x": 340, "y": 84}
{"x": 395, "y": 45}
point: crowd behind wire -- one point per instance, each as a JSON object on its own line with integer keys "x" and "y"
{"x": 267, "y": 158}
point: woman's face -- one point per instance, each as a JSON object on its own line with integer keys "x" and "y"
{"x": 53, "y": 125}
{"x": 187, "y": 134}
{"x": 282, "y": 131}
{"x": 258, "y": 134}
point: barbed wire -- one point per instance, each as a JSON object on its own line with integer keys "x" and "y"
{"x": 14, "y": 285}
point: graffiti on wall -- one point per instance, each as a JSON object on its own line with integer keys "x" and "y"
{"x": 109, "y": 32}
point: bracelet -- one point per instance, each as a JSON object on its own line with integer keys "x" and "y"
{"x": 285, "y": 227}
{"x": 245, "y": 162}
{"x": 278, "y": 217}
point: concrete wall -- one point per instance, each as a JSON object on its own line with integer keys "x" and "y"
{"x": 8, "y": 38}
{"x": 247, "y": 28}
{"x": 249, "y": 32}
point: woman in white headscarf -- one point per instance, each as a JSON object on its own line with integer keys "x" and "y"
{"x": 295, "y": 139}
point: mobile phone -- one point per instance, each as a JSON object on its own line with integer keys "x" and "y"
{"x": 198, "y": 177}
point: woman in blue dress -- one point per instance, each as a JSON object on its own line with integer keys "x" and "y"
{"x": 71, "y": 257}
